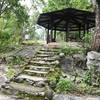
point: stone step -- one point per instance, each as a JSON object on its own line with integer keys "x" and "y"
{"x": 36, "y": 72}
{"x": 45, "y": 59}
{"x": 49, "y": 50}
{"x": 38, "y": 67}
{"x": 48, "y": 53}
{"x": 31, "y": 78}
{"x": 28, "y": 89}
{"x": 4, "y": 96}
{"x": 43, "y": 55}
{"x": 45, "y": 62}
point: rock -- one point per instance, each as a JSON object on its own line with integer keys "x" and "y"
{"x": 93, "y": 55}
{"x": 3, "y": 68}
{"x": 41, "y": 84}
{"x": 61, "y": 54}
{"x": 79, "y": 56}
{"x": 60, "y": 97}
{"x": 21, "y": 87}
{"x": 52, "y": 69}
{"x": 93, "y": 60}
{"x": 55, "y": 62}
{"x": 3, "y": 79}
{"x": 79, "y": 60}
{"x": 42, "y": 94}
{"x": 67, "y": 97}
{"x": 48, "y": 93}
{"x": 5, "y": 97}
{"x": 0, "y": 60}
{"x": 9, "y": 59}
{"x": 93, "y": 99}
{"x": 71, "y": 63}
{"x": 66, "y": 64}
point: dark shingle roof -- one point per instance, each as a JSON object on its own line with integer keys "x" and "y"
{"x": 67, "y": 18}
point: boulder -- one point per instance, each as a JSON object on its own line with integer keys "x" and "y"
{"x": 66, "y": 64}
{"x": 9, "y": 59}
{"x": 3, "y": 68}
{"x": 93, "y": 99}
{"x": 3, "y": 78}
{"x": 61, "y": 54}
{"x": 75, "y": 63}
{"x": 93, "y": 55}
{"x": 67, "y": 97}
{"x": 0, "y": 60}
{"x": 93, "y": 60}
{"x": 79, "y": 60}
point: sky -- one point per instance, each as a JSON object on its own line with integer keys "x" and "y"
{"x": 28, "y": 4}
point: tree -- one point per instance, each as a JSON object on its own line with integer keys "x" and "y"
{"x": 96, "y": 44}
{"x": 8, "y": 6}
{"x": 13, "y": 17}
{"x": 62, "y": 4}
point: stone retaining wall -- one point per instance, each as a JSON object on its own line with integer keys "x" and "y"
{"x": 93, "y": 60}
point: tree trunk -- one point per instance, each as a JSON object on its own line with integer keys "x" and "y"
{"x": 96, "y": 44}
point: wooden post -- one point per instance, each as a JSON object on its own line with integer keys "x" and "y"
{"x": 48, "y": 37}
{"x": 87, "y": 28}
{"x": 80, "y": 31}
{"x": 51, "y": 36}
{"x": 67, "y": 32}
{"x": 55, "y": 35}
{"x": 84, "y": 30}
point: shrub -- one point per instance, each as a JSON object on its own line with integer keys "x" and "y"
{"x": 87, "y": 41}
{"x": 87, "y": 77}
{"x": 91, "y": 78}
{"x": 83, "y": 88}
{"x": 68, "y": 50}
{"x": 64, "y": 85}
{"x": 10, "y": 73}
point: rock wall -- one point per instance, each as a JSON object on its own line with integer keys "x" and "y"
{"x": 75, "y": 63}
{"x": 93, "y": 60}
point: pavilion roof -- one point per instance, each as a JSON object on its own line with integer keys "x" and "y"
{"x": 67, "y": 19}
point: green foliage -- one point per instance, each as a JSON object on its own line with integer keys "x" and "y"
{"x": 83, "y": 88}
{"x": 10, "y": 73}
{"x": 62, "y": 4}
{"x": 13, "y": 6}
{"x": 87, "y": 41}
{"x": 54, "y": 74}
{"x": 64, "y": 85}
{"x": 8, "y": 33}
{"x": 91, "y": 78}
{"x": 53, "y": 77}
{"x": 30, "y": 42}
{"x": 97, "y": 91}
{"x": 69, "y": 50}
{"x": 17, "y": 61}
{"x": 88, "y": 77}
{"x": 13, "y": 17}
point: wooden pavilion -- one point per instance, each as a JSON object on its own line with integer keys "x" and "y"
{"x": 69, "y": 19}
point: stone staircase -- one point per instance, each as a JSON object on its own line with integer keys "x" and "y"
{"x": 32, "y": 80}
